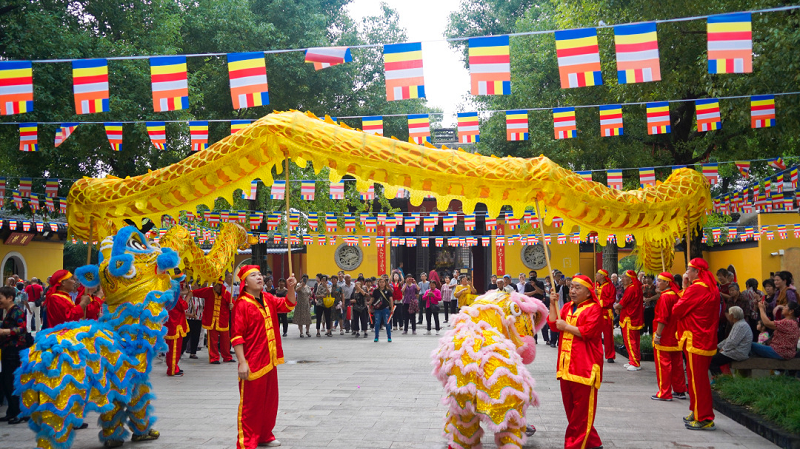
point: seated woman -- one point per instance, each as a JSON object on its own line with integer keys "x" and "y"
{"x": 736, "y": 347}
{"x": 784, "y": 340}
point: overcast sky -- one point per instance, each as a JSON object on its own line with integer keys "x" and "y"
{"x": 446, "y": 79}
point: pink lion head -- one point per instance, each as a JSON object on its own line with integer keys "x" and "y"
{"x": 525, "y": 316}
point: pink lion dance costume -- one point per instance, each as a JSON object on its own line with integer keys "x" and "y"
{"x": 481, "y": 364}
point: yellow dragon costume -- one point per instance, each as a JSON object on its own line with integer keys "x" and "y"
{"x": 104, "y": 366}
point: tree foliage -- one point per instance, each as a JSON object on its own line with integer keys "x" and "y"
{"x": 682, "y": 47}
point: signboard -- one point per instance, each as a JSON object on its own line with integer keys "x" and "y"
{"x": 381, "y": 231}
{"x": 444, "y": 135}
{"x": 19, "y": 239}
{"x": 500, "y": 252}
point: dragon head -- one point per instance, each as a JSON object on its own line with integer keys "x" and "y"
{"x": 522, "y": 318}
{"x": 129, "y": 267}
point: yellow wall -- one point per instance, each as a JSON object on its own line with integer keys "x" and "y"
{"x": 747, "y": 262}
{"x": 770, "y": 263}
{"x": 42, "y": 259}
{"x": 319, "y": 258}
{"x": 565, "y": 258}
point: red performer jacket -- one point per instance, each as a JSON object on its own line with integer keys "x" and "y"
{"x": 94, "y": 307}
{"x": 61, "y": 308}
{"x": 607, "y": 295}
{"x": 216, "y": 312}
{"x": 255, "y": 329}
{"x": 631, "y": 315}
{"x": 177, "y": 326}
{"x": 580, "y": 359}
{"x": 697, "y": 313}
{"x": 664, "y": 314}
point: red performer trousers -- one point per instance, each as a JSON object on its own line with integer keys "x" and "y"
{"x": 223, "y": 338}
{"x": 608, "y": 335}
{"x": 173, "y": 355}
{"x": 580, "y": 403}
{"x": 258, "y": 409}
{"x": 631, "y": 338}
{"x": 700, "y": 402}
{"x": 669, "y": 373}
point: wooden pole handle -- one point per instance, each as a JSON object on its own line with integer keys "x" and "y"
{"x": 288, "y": 219}
{"x": 546, "y": 254}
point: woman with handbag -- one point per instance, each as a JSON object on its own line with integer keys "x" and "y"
{"x": 382, "y": 305}
{"x": 410, "y": 305}
{"x": 324, "y": 302}
{"x": 397, "y": 296}
{"x": 14, "y": 337}
{"x": 359, "y": 310}
{"x": 432, "y": 297}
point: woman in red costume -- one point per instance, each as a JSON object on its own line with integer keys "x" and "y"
{"x": 631, "y": 318}
{"x": 580, "y": 360}
{"x": 177, "y": 328}
{"x": 697, "y": 313}
{"x": 669, "y": 359}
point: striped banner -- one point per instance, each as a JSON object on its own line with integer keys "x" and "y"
{"x": 158, "y": 134}
{"x": 564, "y": 123}
{"x": 198, "y": 132}
{"x": 708, "y": 117}
{"x": 170, "y": 86}
{"x": 730, "y": 43}
{"x": 637, "y": 53}
{"x": 402, "y": 65}
{"x": 611, "y": 120}
{"x": 90, "y": 85}
{"x": 372, "y": 125}
{"x": 516, "y": 125}
{"x": 114, "y": 134}
{"x": 248, "y": 78}
{"x": 419, "y": 128}
{"x": 324, "y": 57}
{"x": 762, "y": 111}
{"x": 468, "y": 127}
{"x": 16, "y": 87}
{"x": 658, "y": 118}
{"x": 28, "y": 137}
{"x": 578, "y": 58}
{"x": 490, "y": 65}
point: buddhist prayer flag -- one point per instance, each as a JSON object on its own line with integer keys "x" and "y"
{"x": 744, "y": 168}
{"x": 564, "y": 123}
{"x": 516, "y": 125}
{"x": 28, "y": 137}
{"x": 730, "y": 43}
{"x": 372, "y": 125}
{"x": 307, "y": 190}
{"x": 278, "y": 190}
{"x": 708, "y": 118}
{"x": 369, "y": 195}
{"x": 611, "y": 120}
{"x": 252, "y": 193}
{"x": 402, "y": 64}
{"x": 615, "y": 179}
{"x": 114, "y": 134}
{"x": 637, "y": 53}
{"x": 248, "y": 76}
{"x": 711, "y": 172}
{"x": 63, "y": 132}
{"x": 16, "y": 87}
{"x": 419, "y": 128}
{"x": 25, "y": 186}
{"x": 170, "y": 86}
{"x": 51, "y": 187}
{"x": 198, "y": 131}
{"x": 647, "y": 176}
{"x": 468, "y": 127}
{"x": 158, "y": 134}
{"x": 490, "y": 65}
{"x": 658, "y": 118}
{"x": 90, "y": 85}
{"x": 586, "y": 175}
{"x": 777, "y": 163}
{"x": 337, "y": 190}
{"x": 238, "y": 125}
{"x": 325, "y": 57}
{"x": 793, "y": 177}
{"x": 762, "y": 111}
{"x": 578, "y": 58}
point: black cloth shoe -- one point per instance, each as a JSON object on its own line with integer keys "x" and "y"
{"x": 610, "y": 361}
{"x": 679, "y": 396}
{"x": 83, "y": 426}
{"x": 5, "y": 418}
{"x": 214, "y": 363}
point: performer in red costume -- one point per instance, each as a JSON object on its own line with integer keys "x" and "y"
{"x": 95, "y": 303}
{"x": 59, "y": 304}
{"x": 580, "y": 360}
{"x": 697, "y": 313}
{"x": 631, "y": 318}
{"x": 216, "y": 319}
{"x": 177, "y": 328}
{"x": 669, "y": 358}
{"x": 607, "y": 294}
{"x": 258, "y": 348}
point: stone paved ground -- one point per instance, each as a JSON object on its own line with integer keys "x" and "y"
{"x": 340, "y": 393}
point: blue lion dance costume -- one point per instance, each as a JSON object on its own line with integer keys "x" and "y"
{"x": 104, "y": 366}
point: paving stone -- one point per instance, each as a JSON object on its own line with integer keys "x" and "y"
{"x": 355, "y": 394}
